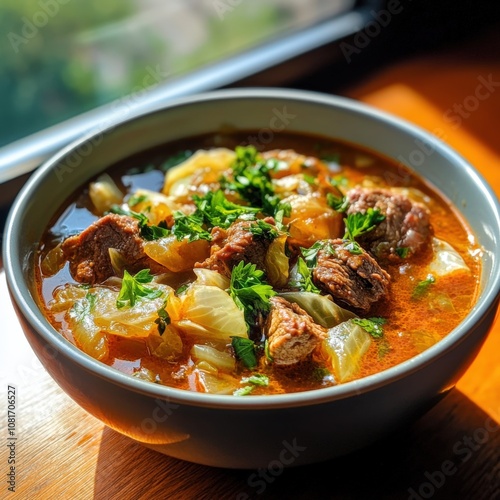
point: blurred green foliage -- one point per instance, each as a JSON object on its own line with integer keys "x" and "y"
{"x": 59, "y": 58}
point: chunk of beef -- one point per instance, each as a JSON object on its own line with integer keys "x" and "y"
{"x": 354, "y": 279}
{"x": 292, "y": 334}
{"x": 406, "y": 228}
{"x": 88, "y": 253}
{"x": 235, "y": 244}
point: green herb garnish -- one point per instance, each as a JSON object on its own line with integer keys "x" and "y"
{"x": 133, "y": 288}
{"x": 264, "y": 230}
{"x": 358, "y": 223}
{"x": 403, "y": 252}
{"x": 244, "y": 391}
{"x": 310, "y": 254}
{"x": 338, "y": 203}
{"x": 304, "y": 278}
{"x": 423, "y": 286}
{"x": 256, "y": 379}
{"x": 216, "y": 210}
{"x": 152, "y": 232}
{"x": 244, "y": 349}
{"x": 373, "y": 326}
{"x": 189, "y": 226}
{"x": 252, "y": 180}
{"x": 249, "y": 291}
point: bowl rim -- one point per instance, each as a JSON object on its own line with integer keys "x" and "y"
{"x": 13, "y": 265}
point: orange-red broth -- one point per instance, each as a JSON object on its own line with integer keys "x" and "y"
{"x": 412, "y": 325}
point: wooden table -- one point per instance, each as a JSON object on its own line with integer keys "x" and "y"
{"x": 452, "y": 452}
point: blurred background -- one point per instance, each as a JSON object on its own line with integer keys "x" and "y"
{"x": 68, "y": 65}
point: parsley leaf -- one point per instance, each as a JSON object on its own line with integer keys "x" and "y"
{"x": 217, "y": 210}
{"x": 373, "y": 326}
{"x": 304, "y": 279}
{"x": 152, "y": 232}
{"x": 310, "y": 254}
{"x": 338, "y": 203}
{"x": 249, "y": 291}
{"x": 244, "y": 391}
{"x": 132, "y": 288}
{"x": 256, "y": 379}
{"x": 148, "y": 232}
{"x": 403, "y": 252}
{"x": 264, "y": 230}
{"x": 116, "y": 209}
{"x": 245, "y": 351}
{"x": 252, "y": 179}
{"x": 189, "y": 226}
{"x": 423, "y": 286}
{"x": 358, "y": 223}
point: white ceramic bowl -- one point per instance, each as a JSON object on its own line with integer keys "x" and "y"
{"x": 252, "y": 432}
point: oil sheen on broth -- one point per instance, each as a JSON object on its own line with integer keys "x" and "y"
{"x": 308, "y": 191}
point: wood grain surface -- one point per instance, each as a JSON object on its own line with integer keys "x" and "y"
{"x": 451, "y": 452}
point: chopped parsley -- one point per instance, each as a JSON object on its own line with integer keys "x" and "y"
{"x": 116, "y": 209}
{"x": 338, "y": 203}
{"x": 252, "y": 179}
{"x": 358, "y": 223}
{"x": 353, "y": 247}
{"x": 373, "y": 326}
{"x": 148, "y": 232}
{"x": 423, "y": 286}
{"x": 256, "y": 379}
{"x": 304, "y": 280}
{"x": 244, "y": 349}
{"x": 244, "y": 391}
{"x": 216, "y": 210}
{"x": 403, "y": 252}
{"x": 264, "y": 230}
{"x": 133, "y": 288}
{"x": 152, "y": 232}
{"x": 249, "y": 291}
{"x": 189, "y": 226}
{"x": 310, "y": 254}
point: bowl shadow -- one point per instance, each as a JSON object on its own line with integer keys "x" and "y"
{"x": 453, "y": 451}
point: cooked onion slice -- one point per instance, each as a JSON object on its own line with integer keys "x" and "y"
{"x": 104, "y": 193}
{"x": 446, "y": 259}
{"x": 344, "y": 347}
{"x": 177, "y": 256}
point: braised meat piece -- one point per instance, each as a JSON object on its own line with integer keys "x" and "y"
{"x": 406, "y": 229}
{"x": 235, "y": 244}
{"x": 355, "y": 280}
{"x": 88, "y": 254}
{"x": 292, "y": 334}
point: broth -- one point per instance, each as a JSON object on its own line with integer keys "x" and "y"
{"x": 412, "y": 323}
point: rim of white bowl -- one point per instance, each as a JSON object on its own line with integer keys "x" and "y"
{"x": 21, "y": 295}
